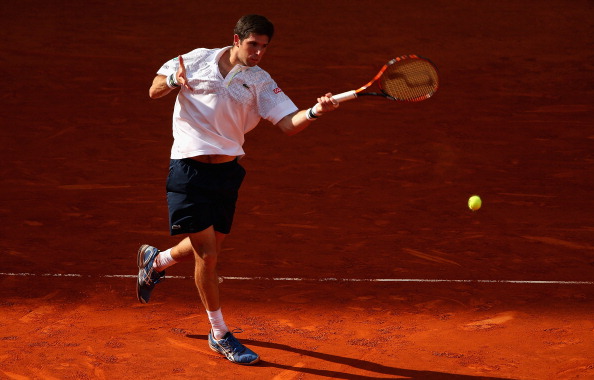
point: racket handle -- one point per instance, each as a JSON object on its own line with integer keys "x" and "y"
{"x": 343, "y": 97}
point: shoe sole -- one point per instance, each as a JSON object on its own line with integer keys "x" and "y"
{"x": 140, "y": 263}
{"x": 140, "y": 256}
{"x": 138, "y": 293}
{"x": 218, "y": 352}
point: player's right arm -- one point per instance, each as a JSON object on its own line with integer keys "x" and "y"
{"x": 160, "y": 88}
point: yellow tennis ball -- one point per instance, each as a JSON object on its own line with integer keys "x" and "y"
{"x": 474, "y": 202}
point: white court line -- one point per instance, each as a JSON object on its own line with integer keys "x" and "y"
{"x": 325, "y": 279}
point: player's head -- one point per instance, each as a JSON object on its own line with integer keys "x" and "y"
{"x": 255, "y": 24}
{"x": 252, "y": 35}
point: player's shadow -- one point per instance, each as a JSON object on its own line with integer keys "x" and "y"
{"x": 355, "y": 363}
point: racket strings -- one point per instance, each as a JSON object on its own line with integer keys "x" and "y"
{"x": 410, "y": 80}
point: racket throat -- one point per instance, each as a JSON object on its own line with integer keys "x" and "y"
{"x": 377, "y": 94}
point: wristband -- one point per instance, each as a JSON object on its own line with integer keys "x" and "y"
{"x": 310, "y": 114}
{"x": 172, "y": 81}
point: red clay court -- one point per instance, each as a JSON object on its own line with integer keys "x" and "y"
{"x": 353, "y": 255}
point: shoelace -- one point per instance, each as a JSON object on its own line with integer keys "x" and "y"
{"x": 148, "y": 280}
{"x": 231, "y": 344}
{"x": 148, "y": 276}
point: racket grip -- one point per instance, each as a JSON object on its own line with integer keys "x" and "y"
{"x": 343, "y": 97}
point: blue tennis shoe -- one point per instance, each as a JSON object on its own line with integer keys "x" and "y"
{"x": 233, "y": 349}
{"x": 147, "y": 276}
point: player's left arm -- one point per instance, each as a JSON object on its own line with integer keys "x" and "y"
{"x": 297, "y": 121}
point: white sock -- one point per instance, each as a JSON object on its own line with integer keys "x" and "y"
{"x": 163, "y": 261}
{"x": 219, "y": 328}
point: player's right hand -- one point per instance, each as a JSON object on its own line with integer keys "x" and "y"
{"x": 181, "y": 75}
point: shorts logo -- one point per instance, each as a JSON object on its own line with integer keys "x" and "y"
{"x": 277, "y": 90}
{"x": 176, "y": 227}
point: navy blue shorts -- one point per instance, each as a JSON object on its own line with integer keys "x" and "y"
{"x": 201, "y": 195}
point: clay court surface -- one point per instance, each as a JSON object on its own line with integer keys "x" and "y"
{"x": 375, "y": 191}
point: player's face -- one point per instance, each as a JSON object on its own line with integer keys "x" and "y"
{"x": 252, "y": 49}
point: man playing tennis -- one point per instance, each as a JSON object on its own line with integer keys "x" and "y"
{"x": 223, "y": 94}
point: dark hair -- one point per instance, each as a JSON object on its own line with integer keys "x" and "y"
{"x": 253, "y": 24}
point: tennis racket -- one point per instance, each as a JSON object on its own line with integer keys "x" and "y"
{"x": 408, "y": 78}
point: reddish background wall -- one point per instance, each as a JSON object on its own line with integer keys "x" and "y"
{"x": 375, "y": 190}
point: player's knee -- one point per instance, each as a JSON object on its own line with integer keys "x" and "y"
{"x": 209, "y": 257}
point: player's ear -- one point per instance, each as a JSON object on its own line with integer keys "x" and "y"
{"x": 236, "y": 40}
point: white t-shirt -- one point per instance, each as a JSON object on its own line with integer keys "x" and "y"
{"x": 215, "y": 116}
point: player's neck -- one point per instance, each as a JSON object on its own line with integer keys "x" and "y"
{"x": 226, "y": 63}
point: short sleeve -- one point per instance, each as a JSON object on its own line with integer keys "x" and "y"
{"x": 190, "y": 60}
{"x": 169, "y": 67}
{"x": 273, "y": 103}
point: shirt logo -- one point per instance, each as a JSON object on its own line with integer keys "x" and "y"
{"x": 277, "y": 90}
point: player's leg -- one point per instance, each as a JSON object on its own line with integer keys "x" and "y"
{"x": 205, "y": 247}
{"x": 152, "y": 264}
{"x": 188, "y": 213}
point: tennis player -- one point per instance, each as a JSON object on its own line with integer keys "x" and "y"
{"x": 221, "y": 95}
